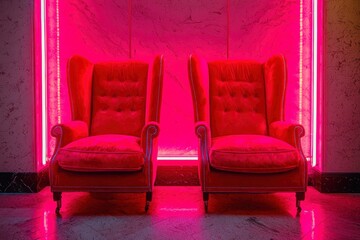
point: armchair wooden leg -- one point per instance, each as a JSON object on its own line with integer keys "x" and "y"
{"x": 148, "y": 200}
{"x": 300, "y": 196}
{"x": 206, "y": 200}
{"x": 57, "y": 198}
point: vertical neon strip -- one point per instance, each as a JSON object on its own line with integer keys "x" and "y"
{"x": 227, "y": 29}
{"x": 58, "y": 86}
{"x": 43, "y": 84}
{"x": 301, "y": 43}
{"x": 314, "y": 81}
{"x": 130, "y": 27}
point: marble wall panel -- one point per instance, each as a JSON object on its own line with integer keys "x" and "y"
{"x": 96, "y": 30}
{"x": 177, "y": 29}
{"x": 342, "y": 80}
{"x": 16, "y": 87}
{"x": 260, "y": 29}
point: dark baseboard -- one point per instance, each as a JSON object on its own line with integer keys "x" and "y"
{"x": 24, "y": 182}
{"x": 335, "y": 182}
{"x": 34, "y": 182}
{"x": 183, "y": 175}
{"x": 177, "y": 176}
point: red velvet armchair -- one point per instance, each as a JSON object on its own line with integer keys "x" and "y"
{"x": 111, "y": 143}
{"x": 245, "y": 145}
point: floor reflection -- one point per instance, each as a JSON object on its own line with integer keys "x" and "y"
{"x": 178, "y": 213}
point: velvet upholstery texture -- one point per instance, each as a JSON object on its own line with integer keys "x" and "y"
{"x": 245, "y": 144}
{"x": 110, "y": 145}
{"x": 102, "y": 153}
{"x": 253, "y": 154}
{"x": 119, "y": 96}
{"x": 237, "y": 91}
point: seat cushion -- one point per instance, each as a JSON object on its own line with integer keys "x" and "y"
{"x": 102, "y": 153}
{"x": 253, "y": 154}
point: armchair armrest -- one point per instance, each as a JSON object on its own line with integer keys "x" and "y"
{"x": 288, "y": 132}
{"x": 149, "y": 132}
{"x": 66, "y": 133}
{"x": 149, "y": 145}
{"x": 202, "y": 130}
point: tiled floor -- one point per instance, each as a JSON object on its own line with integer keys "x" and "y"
{"x": 177, "y": 213}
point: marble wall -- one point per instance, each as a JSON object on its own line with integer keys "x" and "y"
{"x": 257, "y": 30}
{"x": 17, "y": 117}
{"x": 86, "y": 36}
{"x": 342, "y": 91}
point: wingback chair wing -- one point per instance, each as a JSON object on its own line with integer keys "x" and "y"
{"x": 111, "y": 143}
{"x": 244, "y": 143}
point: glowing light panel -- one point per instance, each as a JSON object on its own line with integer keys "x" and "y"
{"x": 314, "y": 82}
{"x": 178, "y": 158}
{"x": 44, "y": 128}
{"x": 57, "y": 58}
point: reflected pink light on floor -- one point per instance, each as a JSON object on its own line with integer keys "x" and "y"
{"x": 312, "y": 225}
{"x": 46, "y": 222}
{"x": 178, "y": 210}
{"x": 46, "y": 227}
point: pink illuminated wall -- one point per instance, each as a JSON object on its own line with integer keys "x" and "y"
{"x": 117, "y": 30}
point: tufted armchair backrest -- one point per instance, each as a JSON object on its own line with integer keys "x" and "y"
{"x": 118, "y": 98}
{"x": 114, "y": 97}
{"x": 244, "y": 97}
{"x": 237, "y": 98}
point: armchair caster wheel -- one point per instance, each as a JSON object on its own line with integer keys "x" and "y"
{"x": 148, "y": 200}
{"x": 57, "y": 198}
{"x": 298, "y": 208}
{"x": 147, "y": 205}
{"x": 206, "y": 201}
{"x": 299, "y": 197}
{"x": 206, "y": 206}
{"x": 58, "y": 206}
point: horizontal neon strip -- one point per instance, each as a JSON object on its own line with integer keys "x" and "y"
{"x": 177, "y": 158}
{"x": 168, "y": 209}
